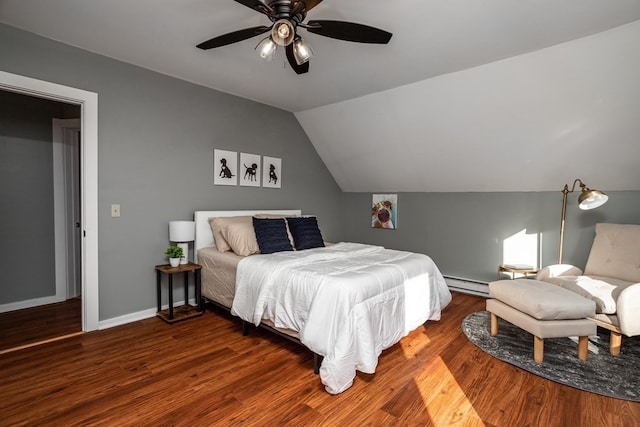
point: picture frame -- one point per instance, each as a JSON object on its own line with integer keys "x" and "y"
{"x": 250, "y": 170}
{"x": 384, "y": 211}
{"x": 271, "y": 172}
{"x": 225, "y": 167}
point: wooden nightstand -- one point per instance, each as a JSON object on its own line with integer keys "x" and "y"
{"x": 514, "y": 269}
{"x": 187, "y": 310}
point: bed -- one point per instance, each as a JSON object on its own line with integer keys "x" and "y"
{"x": 346, "y": 302}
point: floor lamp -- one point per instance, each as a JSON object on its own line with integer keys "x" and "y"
{"x": 588, "y": 199}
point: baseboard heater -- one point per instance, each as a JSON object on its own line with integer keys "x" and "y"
{"x": 468, "y": 286}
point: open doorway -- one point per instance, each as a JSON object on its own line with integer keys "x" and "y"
{"x": 40, "y": 188}
{"x": 87, "y": 102}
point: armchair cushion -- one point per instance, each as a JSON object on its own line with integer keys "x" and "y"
{"x": 603, "y": 291}
{"x": 615, "y": 252}
{"x": 558, "y": 270}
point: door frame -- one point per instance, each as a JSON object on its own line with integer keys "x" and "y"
{"x": 66, "y": 174}
{"x": 88, "y": 102}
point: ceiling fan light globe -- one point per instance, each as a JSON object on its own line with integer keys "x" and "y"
{"x": 267, "y": 49}
{"x": 283, "y": 32}
{"x": 302, "y": 51}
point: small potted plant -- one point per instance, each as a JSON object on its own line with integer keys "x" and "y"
{"x": 174, "y": 253}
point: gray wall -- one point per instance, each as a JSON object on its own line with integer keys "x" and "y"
{"x": 26, "y": 192}
{"x": 464, "y": 232}
{"x": 156, "y": 137}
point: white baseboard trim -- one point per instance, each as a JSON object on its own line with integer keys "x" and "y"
{"x": 127, "y": 318}
{"x": 134, "y": 317}
{"x": 467, "y": 286}
{"x": 18, "y": 305}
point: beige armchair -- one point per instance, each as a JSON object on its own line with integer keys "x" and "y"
{"x": 611, "y": 279}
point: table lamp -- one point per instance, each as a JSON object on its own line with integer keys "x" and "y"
{"x": 181, "y": 233}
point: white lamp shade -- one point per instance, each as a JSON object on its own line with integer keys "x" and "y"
{"x": 182, "y": 231}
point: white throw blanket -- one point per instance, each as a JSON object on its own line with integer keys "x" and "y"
{"x": 348, "y": 301}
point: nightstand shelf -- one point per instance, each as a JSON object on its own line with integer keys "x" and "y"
{"x": 186, "y": 311}
{"x": 181, "y": 312}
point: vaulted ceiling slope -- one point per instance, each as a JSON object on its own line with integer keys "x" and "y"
{"x": 469, "y": 95}
{"x": 528, "y": 123}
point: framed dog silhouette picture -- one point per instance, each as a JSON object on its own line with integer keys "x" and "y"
{"x": 250, "y": 170}
{"x": 271, "y": 172}
{"x": 225, "y": 167}
{"x": 384, "y": 211}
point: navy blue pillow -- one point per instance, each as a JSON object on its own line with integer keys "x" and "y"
{"x": 305, "y": 232}
{"x": 271, "y": 235}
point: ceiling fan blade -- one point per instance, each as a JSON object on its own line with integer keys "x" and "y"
{"x": 233, "y": 37}
{"x": 299, "y": 69}
{"x": 256, "y": 5}
{"x": 348, "y": 31}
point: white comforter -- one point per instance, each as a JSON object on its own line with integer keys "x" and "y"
{"x": 348, "y": 301}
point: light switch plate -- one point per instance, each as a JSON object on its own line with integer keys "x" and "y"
{"x": 115, "y": 211}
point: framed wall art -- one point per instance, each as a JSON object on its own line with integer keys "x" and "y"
{"x": 271, "y": 172}
{"x": 384, "y": 211}
{"x": 225, "y": 167}
{"x": 250, "y": 170}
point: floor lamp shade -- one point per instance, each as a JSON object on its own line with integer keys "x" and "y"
{"x": 182, "y": 232}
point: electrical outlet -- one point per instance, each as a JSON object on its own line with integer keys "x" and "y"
{"x": 115, "y": 211}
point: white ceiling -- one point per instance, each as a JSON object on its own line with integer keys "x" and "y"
{"x": 434, "y": 63}
{"x": 430, "y": 38}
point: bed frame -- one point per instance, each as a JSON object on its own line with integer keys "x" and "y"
{"x": 204, "y": 238}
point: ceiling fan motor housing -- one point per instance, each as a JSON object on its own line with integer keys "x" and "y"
{"x": 286, "y": 16}
{"x": 282, "y": 9}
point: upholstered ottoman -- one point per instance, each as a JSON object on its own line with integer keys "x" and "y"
{"x": 544, "y": 310}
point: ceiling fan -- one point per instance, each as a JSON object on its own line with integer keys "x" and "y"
{"x": 287, "y": 16}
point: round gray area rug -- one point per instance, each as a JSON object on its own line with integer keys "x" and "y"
{"x": 602, "y": 373}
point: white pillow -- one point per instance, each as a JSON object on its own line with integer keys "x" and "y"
{"x": 218, "y": 223}
{"x": 241, "y": 238}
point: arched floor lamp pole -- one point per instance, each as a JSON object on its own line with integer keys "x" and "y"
{"x": 588, "y": 199}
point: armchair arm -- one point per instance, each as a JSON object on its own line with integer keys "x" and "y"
{"x": 556, "y": 270}
{"x": 628, "y": 310}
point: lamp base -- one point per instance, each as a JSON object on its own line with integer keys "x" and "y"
{"x": 185, "y": 251}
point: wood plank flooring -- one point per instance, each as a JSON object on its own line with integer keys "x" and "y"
{"x": 203, "y": 372}
{"x": 31, "y": 325}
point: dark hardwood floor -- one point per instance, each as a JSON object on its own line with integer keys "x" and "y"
{"x": 28, "y": 326}
{"x": 203, "y": 372}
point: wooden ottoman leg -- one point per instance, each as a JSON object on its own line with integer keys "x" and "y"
{"x": 494, "y": 325}
{"x": 616, "y": 342}
{"x": 538, "y": 349}
{"x": 583, "y": 347}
